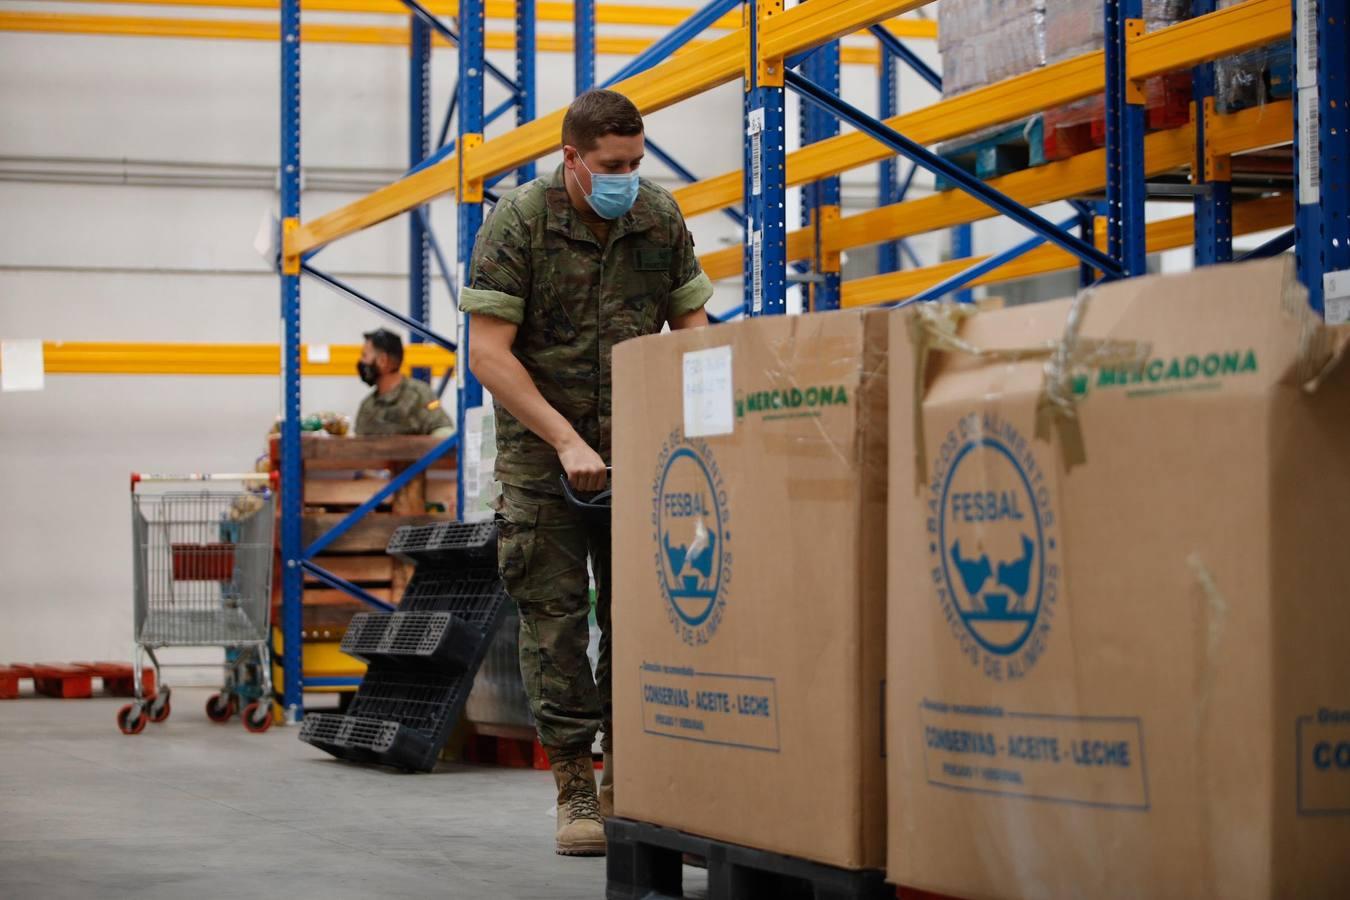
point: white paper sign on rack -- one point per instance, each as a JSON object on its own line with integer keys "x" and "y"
{"x": 21, "y": 366}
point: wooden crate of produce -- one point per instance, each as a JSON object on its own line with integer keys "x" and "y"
{"x": 341, "y": 473}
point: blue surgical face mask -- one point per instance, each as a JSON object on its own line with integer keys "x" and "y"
{"x": 611, "y": 195}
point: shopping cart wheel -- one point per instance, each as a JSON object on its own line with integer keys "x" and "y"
{"x": 159, "y": 707}
{"x": 220, "y": 707}
{"x": 257, "y": 716}
{"x": 131, "y": 719}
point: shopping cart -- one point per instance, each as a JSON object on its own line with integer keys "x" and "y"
{"x": 203, "y": 577}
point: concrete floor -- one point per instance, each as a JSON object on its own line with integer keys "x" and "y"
{"x": 193, "y": 809}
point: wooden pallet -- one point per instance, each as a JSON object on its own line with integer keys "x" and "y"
{"x": 339, "y": 475}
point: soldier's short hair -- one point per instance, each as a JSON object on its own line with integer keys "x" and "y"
{"x": 596, "y": 114}
{"x": 385, "y": 341}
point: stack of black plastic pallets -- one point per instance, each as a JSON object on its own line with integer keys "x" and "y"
{"x": 422, "y": 659}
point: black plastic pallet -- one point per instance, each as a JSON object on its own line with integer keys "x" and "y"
{"x": 423, "y": 658}
{"x": 412, "y": 639}
{"x": 440, "y": 623}
{"x": 446, "y": 543}
{"x": 371, "y": 741}
{"x": 469, "y": 594}
{"x": 397, "y": 718}
{"x": 645, "y": 862}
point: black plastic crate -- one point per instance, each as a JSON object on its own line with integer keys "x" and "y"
{"x": 460, "y": 544}
{"x": 438, "y": 639}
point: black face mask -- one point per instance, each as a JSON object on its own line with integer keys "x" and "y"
{"x": 369, "y": 372}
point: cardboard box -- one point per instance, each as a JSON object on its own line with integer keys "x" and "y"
{"x": 1129, "y": 677}
{"x": 749, "y": 572}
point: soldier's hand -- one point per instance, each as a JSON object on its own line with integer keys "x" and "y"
{"x": 584, "y": 467}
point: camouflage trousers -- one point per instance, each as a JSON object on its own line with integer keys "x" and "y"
{"x": 542, "y": 551}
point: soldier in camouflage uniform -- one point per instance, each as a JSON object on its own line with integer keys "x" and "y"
{"x": 398, "y": 405}
{"x": 566, "y": 267}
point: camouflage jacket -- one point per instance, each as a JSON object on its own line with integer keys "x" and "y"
{"x": 410, "y": 408}
{"x": 538, "y": 265}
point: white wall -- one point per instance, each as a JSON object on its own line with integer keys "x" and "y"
{"x": 108, "y": 262}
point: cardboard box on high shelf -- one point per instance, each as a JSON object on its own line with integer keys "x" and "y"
{"x": 1128, "y": 677}
{"x": 749, "y": 573}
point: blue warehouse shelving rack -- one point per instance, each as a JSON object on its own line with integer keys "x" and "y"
{"x": 780, "y": 49}
{"x": 461, "y": 166}
{"x": 772, "y": 50}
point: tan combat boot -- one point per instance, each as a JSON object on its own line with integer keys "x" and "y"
{"x": 581, "y": 831}
{"x": 607, "y": 778}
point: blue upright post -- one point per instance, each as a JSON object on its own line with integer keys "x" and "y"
{"x": 963, "y": 247}
{"x": 1322, "y": 156}
{"x": 583, "y": 39}
{"x": 470, "y": 203}
{"x": 526, "y": 50}
{"x": 1126, "y": 191}
{"x": 821, "y": 200}
{"x": 292, "y": 576}
{"x": 419, "y": 145}
{"x": 888, "y": 170}
{"x": 1211, "y": 175}
{"x": 765, "y": 174}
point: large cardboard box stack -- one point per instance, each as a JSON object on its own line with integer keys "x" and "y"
{"x": 1129, "y": 676}
{"x": 749, "y": 584}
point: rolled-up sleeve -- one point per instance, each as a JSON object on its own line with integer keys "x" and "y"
{"x": 499, "y": 274}
{"x": 694, "y": 288}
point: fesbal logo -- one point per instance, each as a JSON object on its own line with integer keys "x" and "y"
{"x": 993, "y": 546}
{"x": 691, "y": 527}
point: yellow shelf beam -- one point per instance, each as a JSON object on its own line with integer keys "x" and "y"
{"x": 1254, "y": 23}
{"x": 1250, "y": 129}
{"x": 605, "y": 13}
{"x": 327, "y": 33}
{"x": 701, "y": 69}
{"x": 99, "y": 358}
{"x": 1170, "y": 234}
{"x": 1004, "y": 101}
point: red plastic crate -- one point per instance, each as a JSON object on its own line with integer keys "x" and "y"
{"x": 203, "y": 562}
